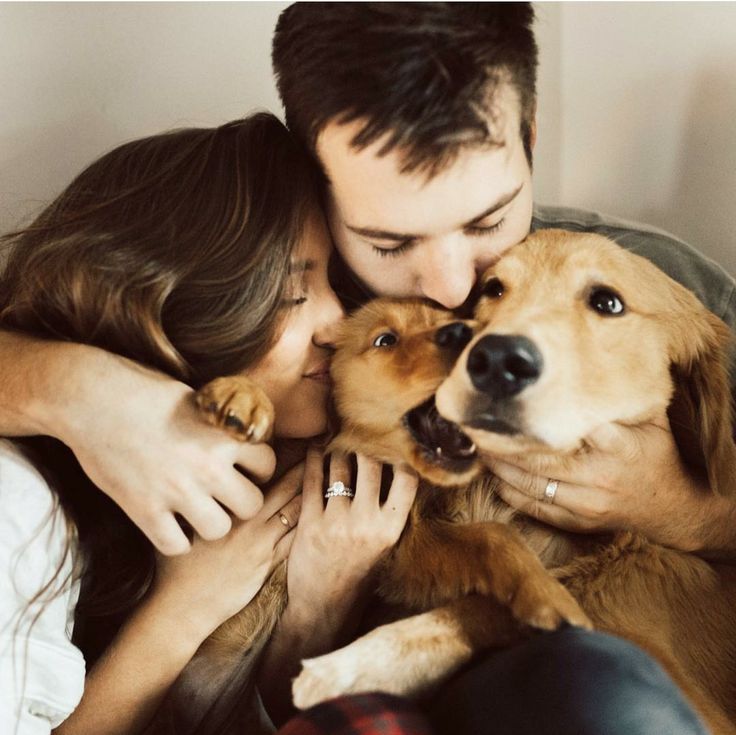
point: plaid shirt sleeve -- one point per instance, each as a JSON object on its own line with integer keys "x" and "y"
{"x": 360, "y": 714}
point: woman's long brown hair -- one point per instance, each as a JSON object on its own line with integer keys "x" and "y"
{"x": 173, "y": 251}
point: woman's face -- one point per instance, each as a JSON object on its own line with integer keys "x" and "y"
{"x": 295, "y": 371}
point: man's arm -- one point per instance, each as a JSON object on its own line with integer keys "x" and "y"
{"x": 136, "y": 433}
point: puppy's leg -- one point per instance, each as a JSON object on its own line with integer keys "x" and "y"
{"x": 437, "y": 562}
{"x": 410, "y": 657}
{"x": 239, "y": 406}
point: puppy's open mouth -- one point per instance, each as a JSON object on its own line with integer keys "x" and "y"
{"x": 442, "y": 441}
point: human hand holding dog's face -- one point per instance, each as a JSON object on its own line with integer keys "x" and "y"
{"x": 628, "y": 477}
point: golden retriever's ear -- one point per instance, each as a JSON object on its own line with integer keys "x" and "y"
{"x": 702, "y": 413}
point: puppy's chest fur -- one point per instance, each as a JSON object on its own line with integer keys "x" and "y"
{"x": 435, "y": 532}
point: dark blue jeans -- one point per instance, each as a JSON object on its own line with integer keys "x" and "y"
{"x": 570, "y": 682}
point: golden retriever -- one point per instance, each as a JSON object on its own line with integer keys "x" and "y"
{"x": 590, "y": 334}
{"x": 571, "y": 331}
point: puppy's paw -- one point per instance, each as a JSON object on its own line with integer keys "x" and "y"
{"x": 239, "y": 406}
{"x": 324, "y": 678}
{"x": 542, "y": 602}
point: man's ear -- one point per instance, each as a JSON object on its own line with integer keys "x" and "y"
{"x": 533, "y": 130}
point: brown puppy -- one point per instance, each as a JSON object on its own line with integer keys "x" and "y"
{"x": 390, "y": 361}
{"x": 575, "y": 332}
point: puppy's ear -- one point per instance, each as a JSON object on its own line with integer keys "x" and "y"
{"x": 701, "y": 413}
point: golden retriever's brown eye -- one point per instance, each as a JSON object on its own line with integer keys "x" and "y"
{"x": 493, "y": 288}
{"x": 606, "y": 302}
{"x": 387, "y": 339}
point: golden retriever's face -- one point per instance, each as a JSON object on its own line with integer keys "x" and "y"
{"x": 391, "y": 357}
{"x": 575, "y": 332}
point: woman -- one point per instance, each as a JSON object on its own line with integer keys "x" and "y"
{"x": 196, "y": 254}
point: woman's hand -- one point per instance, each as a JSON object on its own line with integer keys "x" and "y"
{"x": 339, "y": 544}
{"x": 628, "y": 477}
{"x": 337, "y": 548}
{"x": 217, "y": 579}
{"x": 139, "y": 437}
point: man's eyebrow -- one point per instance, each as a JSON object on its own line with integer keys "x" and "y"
{"x": 500, "y": 203}
{"x": 299, "y": 266}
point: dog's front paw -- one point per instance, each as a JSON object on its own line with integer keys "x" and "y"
{"x": 542, "y": 602}
{"x": 324, "y": 678}
{"x": 239, "y": 406}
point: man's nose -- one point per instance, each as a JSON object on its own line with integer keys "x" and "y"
{"x": 447, "y": 274}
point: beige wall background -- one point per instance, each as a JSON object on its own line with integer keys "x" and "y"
{"x": 636, "y": 110}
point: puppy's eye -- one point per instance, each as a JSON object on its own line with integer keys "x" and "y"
{"x": 606, "y": 302}
{"x": 493, "y": 288}
{"x": 387, "y": 339}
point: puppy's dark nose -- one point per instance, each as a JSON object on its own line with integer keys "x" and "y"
{"x": 453, "y": 336}
{"x": 503, "y": 365}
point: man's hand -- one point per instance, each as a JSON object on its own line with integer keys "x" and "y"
{"x": 628, "y": 477}
{"x": 137, "y": 435}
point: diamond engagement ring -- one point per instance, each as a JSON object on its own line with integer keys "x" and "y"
{"x": 550, "y": 491}
{"x": 339, "y": 490}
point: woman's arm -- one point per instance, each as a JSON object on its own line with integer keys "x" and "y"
{"x": 336, "y": 550}
{"x": 136, "y": 433}
{"x": 191, "y": 597}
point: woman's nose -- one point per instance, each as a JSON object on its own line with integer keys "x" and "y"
{"x": 331, "y": 314}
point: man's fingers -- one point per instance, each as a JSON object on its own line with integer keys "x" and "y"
{"x": 165, "y": 534}
{"x": 241, "y": 497}
{"x": 284, "y": 490}
{"x": 207, "y": 517}
{"x": 256, "y": 460}
{"x": 545, "y": 512}
{"x": 617, "y": 439}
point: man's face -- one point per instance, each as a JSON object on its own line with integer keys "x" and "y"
{"x": 405, "y": 235}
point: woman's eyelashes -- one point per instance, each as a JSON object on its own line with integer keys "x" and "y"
{"x": 472, "y": 231}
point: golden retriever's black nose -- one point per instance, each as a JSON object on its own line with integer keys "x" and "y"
{"x": 454, "y": 336}
{"x": 503, "y": 365}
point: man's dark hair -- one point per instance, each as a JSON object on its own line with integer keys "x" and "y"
{"x": 423, "y": 73}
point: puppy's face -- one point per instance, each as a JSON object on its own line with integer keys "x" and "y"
{"x": 576, "y": 332}
{"x": 391, "y": 357}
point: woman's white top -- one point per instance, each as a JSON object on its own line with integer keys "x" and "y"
{"x": 41, "y": 671}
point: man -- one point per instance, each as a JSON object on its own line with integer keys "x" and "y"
{"x": 422, "y": 117}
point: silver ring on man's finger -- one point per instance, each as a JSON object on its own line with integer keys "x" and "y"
{"x": 550, "y": 491}
{"x": 339, "y": 490}
{"x": 284, "y": 520}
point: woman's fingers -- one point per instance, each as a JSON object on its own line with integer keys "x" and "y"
{"x": 401, "y": 494}
{"x": 312, "y": 484}
{"x": 285, "y": 518}
{"x": 283, "y": 548}
{"x": 340, "y": 471}
{"x": 368, "y": 482}
{"x": 284, "y": 490}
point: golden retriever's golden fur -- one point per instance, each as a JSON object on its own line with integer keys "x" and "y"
{"x": 471, "y": 568}
{"x": 612, "y": 339}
